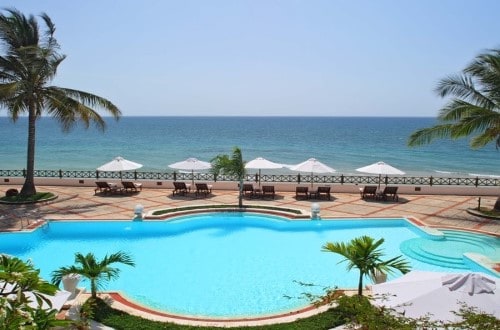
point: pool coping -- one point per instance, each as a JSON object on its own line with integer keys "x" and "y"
{"x": 120, "y": 301}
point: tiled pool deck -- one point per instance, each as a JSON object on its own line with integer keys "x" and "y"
{"x": 81, "y": 203}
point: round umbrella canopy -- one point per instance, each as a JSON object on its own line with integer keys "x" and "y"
{"x": 191, "y": 164}
{"x": 262, "y": 163}
{"x": 312, "y": 165}
{"x": 418, "y": 293}
{"x": 119, "y": 164}
{"x": 380, "y": 168}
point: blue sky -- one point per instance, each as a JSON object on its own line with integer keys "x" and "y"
{"x": 268, "y": 57}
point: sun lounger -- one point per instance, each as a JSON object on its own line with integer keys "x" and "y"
{"x": 203, "y": 188}
{"x": 302, "y": 192}
{"x": 322, "y": 191}
{"x": 390, "y": 192}
{"x": 368, "y": 192}
{"x": 268, "y": 191}
{"x": 107, "y": 188}
{"x": 248, "y": 190}
{"x": 181, "y": 188}
{"x": 130, "y": 186}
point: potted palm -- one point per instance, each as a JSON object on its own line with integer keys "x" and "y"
{"x": 364, "y": 254}
{"x": 96, "y": 271}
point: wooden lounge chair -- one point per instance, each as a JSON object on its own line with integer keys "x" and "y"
{"x": 322, "y": 191}
{"x": 368, "y": 192}
{"x": 302, "y": 192}
{"x": 130, "y": 186}
{"x": 203, "y": 188}
{"x": 390, "y": 192}
{"x": 248, "y": 190}
{"x": 268, "y": 191}
{"x": 106, "y": 188}
{"x": 180, "y": 188}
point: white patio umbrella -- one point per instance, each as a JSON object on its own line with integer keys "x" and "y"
{"x": 119, "y": 164}
{"x": 191, "y": 164}
{"x": 380, "y": 168}
{"x": 419, "y": 293}
{"x": 312, "y": 166}
{"x": 262, "y": 163}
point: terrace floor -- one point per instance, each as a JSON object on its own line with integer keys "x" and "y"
{"x": 80, "y": 203}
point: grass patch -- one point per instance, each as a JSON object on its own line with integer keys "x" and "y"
{"x": 489, "y": 212}
{"x": 38, "y": 197}
{"x": 189, "y": 208}
{"x": 123, "y": 321}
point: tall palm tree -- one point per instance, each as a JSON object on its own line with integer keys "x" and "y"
{"x": 27, "y": 67}
{"x": 234, "y": 165}
{"x": 97, "y": 272}
{"x": 475, "y": 108}
{"x": 364, "y": 254}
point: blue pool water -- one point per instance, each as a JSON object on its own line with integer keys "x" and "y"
{"x": 217, "y": 264}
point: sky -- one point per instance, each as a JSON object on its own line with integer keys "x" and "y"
{"x": 267, "y": 57}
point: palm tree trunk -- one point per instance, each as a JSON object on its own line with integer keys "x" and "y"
{"x": 93, "y": 288}
{"x": 29, "y": 183}
{"x": 497, "y": 204}
{"x": 240, "y": 197}
{"x": 360, "y": 284}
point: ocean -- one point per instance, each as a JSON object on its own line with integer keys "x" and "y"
{"x": 344, "y": 143}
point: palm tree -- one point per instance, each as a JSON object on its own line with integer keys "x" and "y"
{"x": 475, "y": 108}
{"x": 234, "y": 165}
{"x": 95, "y": 271}
{"x": 364, "y": 254}
{"x": 27, "y": 68}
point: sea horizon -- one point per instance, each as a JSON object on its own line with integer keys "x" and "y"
{"x": 344, "y": 143}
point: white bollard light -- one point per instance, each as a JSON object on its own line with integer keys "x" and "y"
{"x": 138, "y": 211}
{"x": 315, "y": 210}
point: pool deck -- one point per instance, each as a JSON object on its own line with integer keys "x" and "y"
{"x": 80, "y": 203}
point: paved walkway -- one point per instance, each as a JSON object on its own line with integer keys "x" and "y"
{"x": 81, "y": 203}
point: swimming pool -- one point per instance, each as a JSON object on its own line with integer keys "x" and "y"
{"x": 215, "y": 264}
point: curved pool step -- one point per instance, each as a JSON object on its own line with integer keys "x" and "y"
{"x": 449, "y": 252}
{"x": 412, "y": 248}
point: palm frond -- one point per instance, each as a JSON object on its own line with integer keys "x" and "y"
{"x": 426, "y": 135}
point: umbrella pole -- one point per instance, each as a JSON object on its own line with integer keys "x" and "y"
{"x": 192, "y": 178}
{"x": 379, "y": 178}
{"x": 259, "y": 177}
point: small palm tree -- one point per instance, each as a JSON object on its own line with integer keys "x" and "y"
{"x": 29, "y": 59}
{"x": 95, "y": 271}
{"x": 364, "y": 254}
{"x": 234, "y": 165}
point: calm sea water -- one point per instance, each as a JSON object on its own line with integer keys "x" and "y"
{"x": 343, "y": 143}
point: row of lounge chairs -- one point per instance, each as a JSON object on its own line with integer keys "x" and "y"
{"x": 182, "y": 188}
{"x": 372, "y": 192}
{"x": 112, "y": 188}
{"x": 301, "y": 192}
